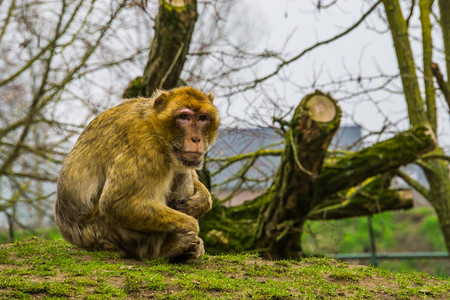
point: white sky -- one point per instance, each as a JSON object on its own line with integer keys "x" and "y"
{"x": 363, "y": 51}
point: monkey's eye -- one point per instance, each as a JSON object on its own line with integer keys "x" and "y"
{"x": 183, "y": 117}
{"x": 203, "y": 118}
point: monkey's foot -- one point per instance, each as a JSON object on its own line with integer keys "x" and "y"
{"x": 193, "y": 253}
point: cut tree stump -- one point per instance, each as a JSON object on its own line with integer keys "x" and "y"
{"x": 289, "y": 200}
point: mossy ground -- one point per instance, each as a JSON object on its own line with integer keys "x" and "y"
{"x": 38, "y": 268}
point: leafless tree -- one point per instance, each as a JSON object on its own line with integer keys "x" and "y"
{"x": 56, "y": 57}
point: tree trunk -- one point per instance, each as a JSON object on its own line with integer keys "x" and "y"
{"x": 173, "y": 32}
{"x": 437, "y": 173}
{"x": 436, "y": 170}
{"x": 314, "y": 123}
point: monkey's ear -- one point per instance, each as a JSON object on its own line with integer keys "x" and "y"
{"x": 160, "y": 101}
{"x": 210, "y": 97}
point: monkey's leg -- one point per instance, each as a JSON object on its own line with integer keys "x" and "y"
{"x": 197, "y": 204}
{"x": 96, "y": 236}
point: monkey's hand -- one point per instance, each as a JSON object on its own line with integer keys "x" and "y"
{"x": 184, "y": 206}
{"x": 197, "y": 204}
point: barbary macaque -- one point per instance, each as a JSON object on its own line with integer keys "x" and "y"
{"x": 129, "y": 184}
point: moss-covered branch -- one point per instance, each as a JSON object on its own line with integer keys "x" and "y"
{"x": 352, "y": 169}
{"x": 370, "y": 197}
{"x": 366, "y": 205}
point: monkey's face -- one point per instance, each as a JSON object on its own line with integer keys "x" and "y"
{"x": 193, "y": 128}
{"x": 191, "y": 124}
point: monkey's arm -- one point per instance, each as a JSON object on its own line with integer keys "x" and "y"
{"x": 135, "y": 208}
{"x": 197, "y": 204}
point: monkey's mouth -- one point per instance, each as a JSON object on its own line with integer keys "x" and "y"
{"x": 191, "y": 159}
{"x": 191, "y": 155}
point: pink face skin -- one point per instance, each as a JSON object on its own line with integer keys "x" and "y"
{"x": 193, "y": 124}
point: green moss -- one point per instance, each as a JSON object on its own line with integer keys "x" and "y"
{"x": 352, "y": 169}
{"x": 134, "y": 89}
{"x": 229, "y": 229}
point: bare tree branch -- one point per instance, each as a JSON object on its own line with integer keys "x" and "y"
{"x": 441, "y": 83}
{"x": 252, "y": 84}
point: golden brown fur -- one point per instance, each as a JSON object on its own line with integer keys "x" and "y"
{"x": 130, "y": 185}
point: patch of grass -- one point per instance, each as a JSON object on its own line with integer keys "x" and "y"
{"x": 360, "y": 292}
{"x": 4, "y": 256}
{"x": 347, "y": 273}
{"x": 38, "y": 268}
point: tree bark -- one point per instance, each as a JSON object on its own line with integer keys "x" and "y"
{"x": 174, "y": 26}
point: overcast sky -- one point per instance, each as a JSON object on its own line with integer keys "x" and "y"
{"x": 366, "y": 51}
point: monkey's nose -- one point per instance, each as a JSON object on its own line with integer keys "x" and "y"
{"x": 195, "y": 140}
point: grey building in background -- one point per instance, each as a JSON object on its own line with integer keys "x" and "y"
{"x": 233, "y": 141}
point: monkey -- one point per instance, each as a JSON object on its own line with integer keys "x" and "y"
{"x": 130, "y": 185}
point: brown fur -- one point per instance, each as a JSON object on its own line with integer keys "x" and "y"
{"x": 130, "y": 185}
